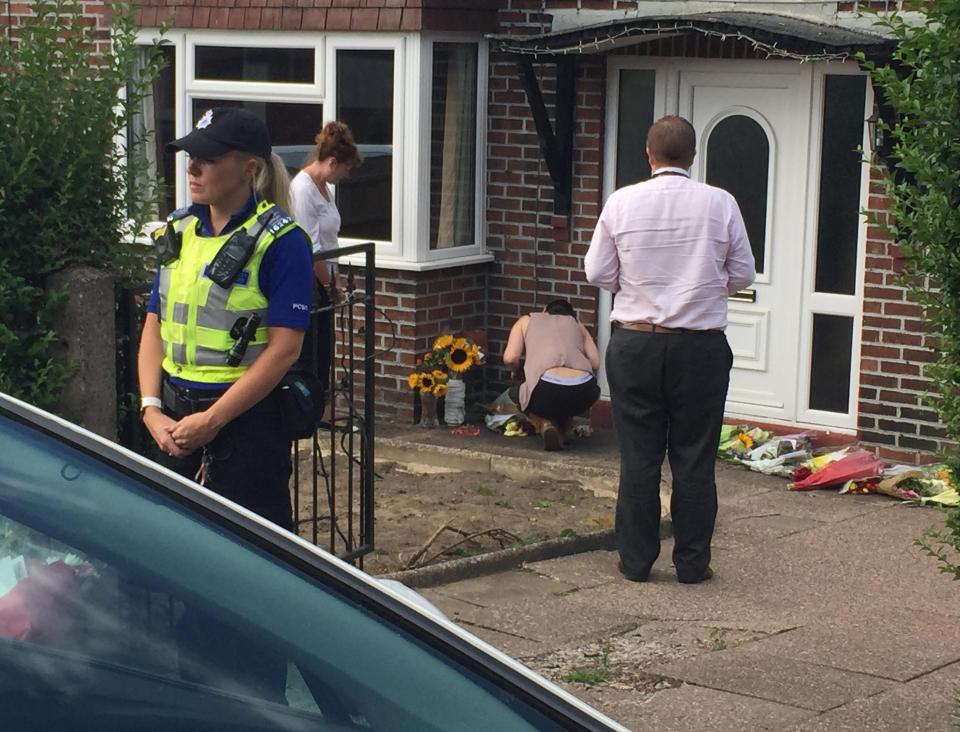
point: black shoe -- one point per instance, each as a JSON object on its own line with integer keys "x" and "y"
{"x": 706, "y": 576}
{"x": 627, "y": 575}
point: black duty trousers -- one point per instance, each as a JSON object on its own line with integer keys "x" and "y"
{"x": 668, "y": 392}
{"x": 251, "y": 466}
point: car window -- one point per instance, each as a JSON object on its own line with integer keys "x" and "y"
{"x": 126, "y": 607}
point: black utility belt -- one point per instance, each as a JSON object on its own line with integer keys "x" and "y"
{"x": 182, "y": 401}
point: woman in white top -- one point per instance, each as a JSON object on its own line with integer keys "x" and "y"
{"x": 314, "y": 208}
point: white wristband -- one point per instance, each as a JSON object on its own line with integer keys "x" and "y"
{"x": 150, "y": 401}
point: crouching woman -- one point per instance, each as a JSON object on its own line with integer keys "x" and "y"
{"x": 559, "y": 361}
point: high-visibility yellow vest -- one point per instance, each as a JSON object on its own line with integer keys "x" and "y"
{"x": 196, "y": 315}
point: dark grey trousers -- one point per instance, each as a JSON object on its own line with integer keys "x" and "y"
{"x": 668, "y": 392}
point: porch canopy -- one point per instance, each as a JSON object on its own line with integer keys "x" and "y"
{"x": 760, "y": 34}
{"x": 770, "y": 35}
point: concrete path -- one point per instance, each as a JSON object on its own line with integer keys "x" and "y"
{"x": 823, "y": 616}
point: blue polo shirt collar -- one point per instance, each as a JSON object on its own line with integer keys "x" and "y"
{"x": 202, "y": 212}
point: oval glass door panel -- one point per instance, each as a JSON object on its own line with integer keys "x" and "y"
{"x": 738, "y": 160}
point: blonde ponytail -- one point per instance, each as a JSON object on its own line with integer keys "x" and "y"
{"x": 272, "y": 182}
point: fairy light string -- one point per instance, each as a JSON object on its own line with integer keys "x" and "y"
{"x": 600, "y": 44}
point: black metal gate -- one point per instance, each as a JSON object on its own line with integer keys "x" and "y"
{"x": 333, "y": 478}
{"x": 332, "y": 487}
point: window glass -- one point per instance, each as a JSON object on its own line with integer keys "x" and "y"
{"x": 830, "y": 363}
{"x": 840, "y": 172}
{"x": 453, "y": 145}
{"x": 634, "y": 119}
{"x": 231, "y": 63}
{"x": 292, "y": 125}
{"x": 738, "y": 160}
{"x": 365, "y": 103}
{"x": 117, "y": 603}
{"x": 153, "y": 126}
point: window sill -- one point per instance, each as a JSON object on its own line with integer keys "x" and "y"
{"x": 427, "y": 266}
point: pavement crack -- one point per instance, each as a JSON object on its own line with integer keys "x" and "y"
{"x": 498, "y": 630}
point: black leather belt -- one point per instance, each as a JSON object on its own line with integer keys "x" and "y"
{"x": 182, "y": 401}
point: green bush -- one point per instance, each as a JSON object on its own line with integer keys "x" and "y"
{"x": 922, "y": 87}
{"x": 69, "y": 195}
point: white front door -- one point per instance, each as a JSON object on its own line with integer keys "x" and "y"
{"x": 752, "y": 140}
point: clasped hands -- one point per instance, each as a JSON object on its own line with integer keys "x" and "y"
{"x": 180, "y": 438}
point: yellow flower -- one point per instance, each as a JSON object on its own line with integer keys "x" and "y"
{"x": 426, "y": 383}
{"x": 413, "y": 380}
{"x": 439, "y": 390}
{"x": 444, "y": 341}
{"x": 439, "y": 375}
{"x": 746, "y": 439}
{"x": 459, "y": 358}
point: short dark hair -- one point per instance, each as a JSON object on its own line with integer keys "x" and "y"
{"x": 560, "y": 307}
{"x": 672, "y": 141}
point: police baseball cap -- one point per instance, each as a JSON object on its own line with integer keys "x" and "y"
{"x": 223, "y": 129}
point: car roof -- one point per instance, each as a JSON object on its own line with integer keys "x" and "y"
{"x": 381, "y": 593}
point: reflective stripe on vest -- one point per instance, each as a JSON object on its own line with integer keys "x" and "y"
{"x": 196, "y": 315}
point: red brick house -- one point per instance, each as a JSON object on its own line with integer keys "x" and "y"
{"x": 494, "y": 130}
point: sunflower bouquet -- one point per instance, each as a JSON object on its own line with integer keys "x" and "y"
{"x": 450, "y": 357}
{"x": 429, "y": 382}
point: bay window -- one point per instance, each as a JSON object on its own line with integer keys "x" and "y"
{"x": 414, "y": 102}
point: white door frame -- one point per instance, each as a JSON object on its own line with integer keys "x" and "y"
{"x": 667, "y": 101}
{"x": 828, "y": 303}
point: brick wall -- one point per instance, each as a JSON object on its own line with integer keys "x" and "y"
{"x": 894, "y": 418}
{"x": 97, "y": 16}
{"x": 314, "y": 15}
{"x": 538, "y": 256}
{"x": 422, "y": 305}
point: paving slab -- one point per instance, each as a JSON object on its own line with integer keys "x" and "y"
{"x": 925, "y": 705}
{"x": 874, "y": 559}
{"x": 590, "y": 569}
{"x": 505, "y": 587}
{"x": 718, "y": 602}
{"x": 697, "y": 708}
{"x": 761, "y": 526}
{"x": 901, "y": 649}
{"x": 549, "y": 619}
{"x": 513, "y": 645}
{"x": 825, "y": 506}
{"x": 795, "y": 683}
{"x": 626, "y": 706}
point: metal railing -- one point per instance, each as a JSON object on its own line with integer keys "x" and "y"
{"x": 339, "y": 459}
{"x": 332, "y": 487}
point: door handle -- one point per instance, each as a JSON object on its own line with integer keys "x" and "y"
{"x": 744, "y": 296}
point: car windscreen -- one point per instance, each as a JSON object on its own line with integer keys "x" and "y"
{"x": 116, "y": 598}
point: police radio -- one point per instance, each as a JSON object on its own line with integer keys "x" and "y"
{"x": 232, "y": 258}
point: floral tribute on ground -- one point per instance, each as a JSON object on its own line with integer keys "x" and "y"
{"x": 439, "y": 373}
{"x": 851, "y": 469}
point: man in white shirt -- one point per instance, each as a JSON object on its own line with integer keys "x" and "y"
{"x": 672, "y": 250}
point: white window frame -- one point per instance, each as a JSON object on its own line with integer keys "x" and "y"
{"x": 409, "y": 244}
{"x": 425, "y": 253}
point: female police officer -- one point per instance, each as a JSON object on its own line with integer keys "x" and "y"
{"x": 225, "y": 322}
{"x": 233, "y": 255}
